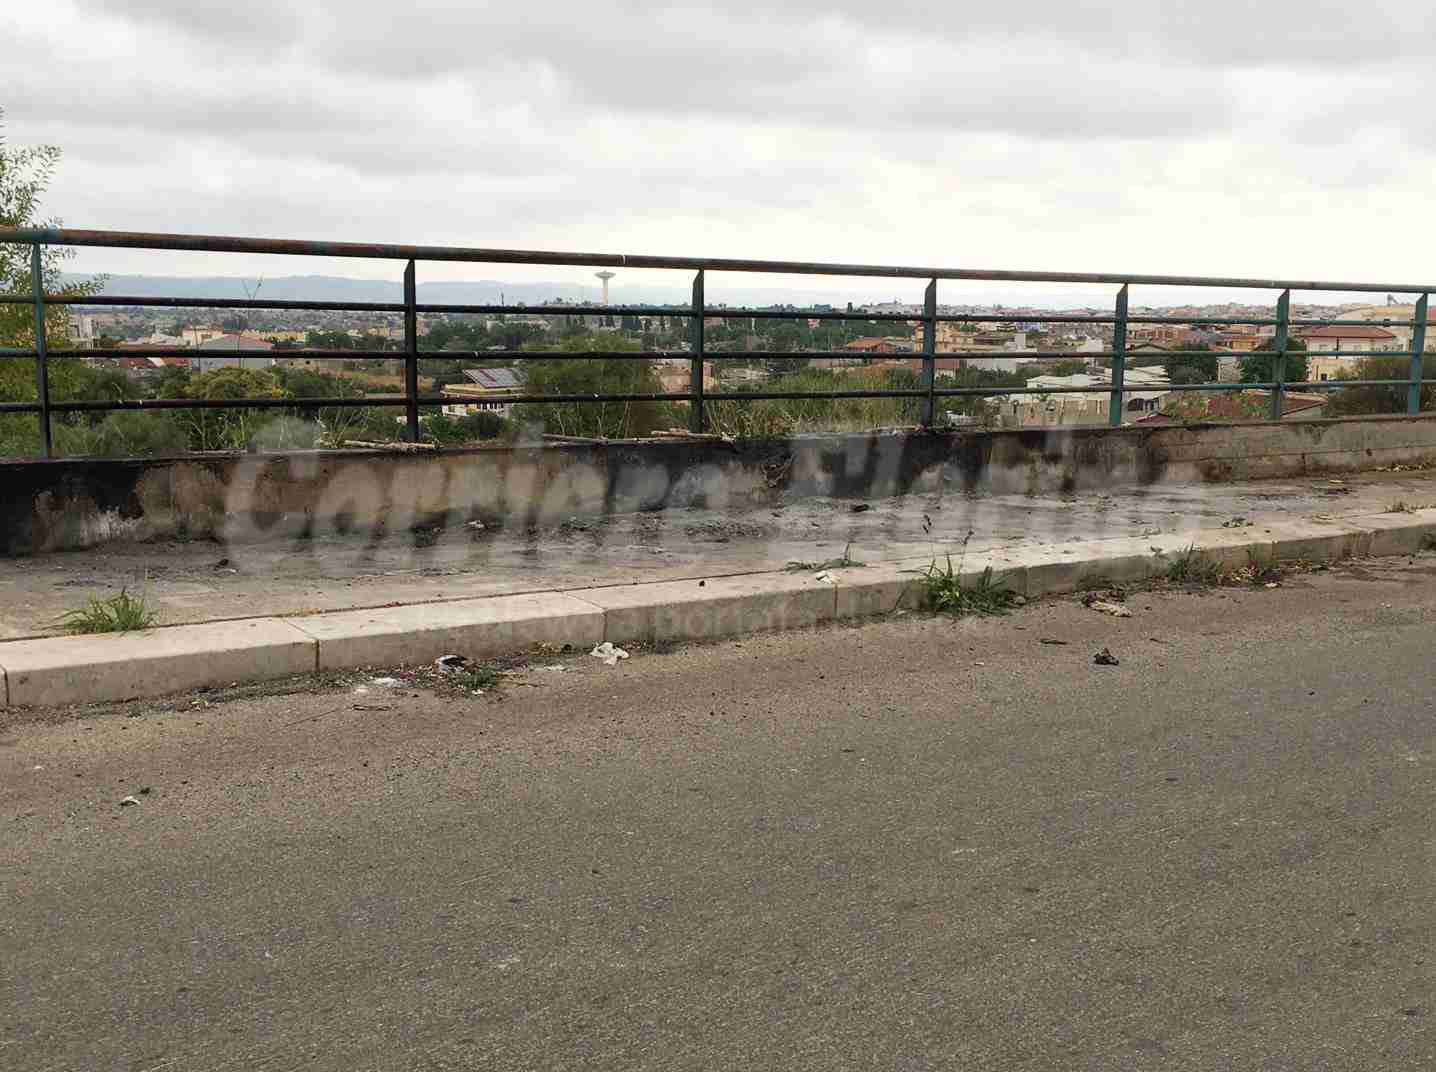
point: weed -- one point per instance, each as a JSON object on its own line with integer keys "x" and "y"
{"x": 476, "y": 677}
{"x": 117, "y": 614}
{"x": 948, "y": 595}
{"x": 1400, "y": 507}
{"x": 846, "y": 562}
{"x": 120, "y": 613}
{"x": 1193, "y": 567}
{"x": 1428, "y": 542}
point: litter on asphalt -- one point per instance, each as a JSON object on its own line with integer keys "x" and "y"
{"x": 608, "y": 653}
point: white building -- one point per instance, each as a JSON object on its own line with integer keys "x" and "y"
{"x": 1144, "y": 392}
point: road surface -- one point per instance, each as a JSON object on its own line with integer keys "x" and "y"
{"x": 912, "y": 845}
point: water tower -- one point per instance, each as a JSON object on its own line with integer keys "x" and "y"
{"x": 605, "y": 276}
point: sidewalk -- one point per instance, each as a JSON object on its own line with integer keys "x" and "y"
{"x": 257, "y": 612}
{"x": 204, "y": 581}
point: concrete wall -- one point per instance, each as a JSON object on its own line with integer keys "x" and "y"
{"x": 73, "y": 503}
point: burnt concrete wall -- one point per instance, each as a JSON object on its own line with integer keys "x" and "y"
{"x": 74, "y": 503}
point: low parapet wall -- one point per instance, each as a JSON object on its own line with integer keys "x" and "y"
{"x": 81, "y": 502}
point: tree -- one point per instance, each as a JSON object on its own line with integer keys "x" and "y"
{"x": 1258, "y": 367}
{"x": 466, "y": 429}
{"x": 1386, "y": 399}
{"x": 24, "y": 176}
{"x": 586, "y": 376}
{"x": 227, "y": 429}
{"x": 1191, "y": 363}
{"x": 1066, "y": 367}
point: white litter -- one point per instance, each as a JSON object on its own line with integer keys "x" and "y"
{"x": 608, "y": 653}
{"x": 1116, "y": 610}
{"x": 450, "y": 664}
{"x": 824, "y": 576}
{"x": 386, "y": 682}
{"x": 129, "y": 802}
{"x": 554, "y": 669}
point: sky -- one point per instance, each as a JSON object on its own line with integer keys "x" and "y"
{"x": 1271, "y": 139}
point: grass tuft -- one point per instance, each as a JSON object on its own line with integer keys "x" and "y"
{"x": 121, "y": 613}
{"x": 948, "y": 595}
{"x": 1193, "y": 567}
{"x": 477, "y": 677}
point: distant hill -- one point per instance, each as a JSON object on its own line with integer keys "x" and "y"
{"x": 480, "y": 292}
{"x": 337, "y": 288}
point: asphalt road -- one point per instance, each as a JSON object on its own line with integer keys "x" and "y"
{"x": 911, "y": 845}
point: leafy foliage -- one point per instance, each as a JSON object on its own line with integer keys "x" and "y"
{"x": 1258, "y": 366}
{"x": 1382, "y": 399}
{"x": 25, "y": 173}
{"x": 584, "y": 376}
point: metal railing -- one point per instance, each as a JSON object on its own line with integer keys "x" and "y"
{"x": 927, "y": 392}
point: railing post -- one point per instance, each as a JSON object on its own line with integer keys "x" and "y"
{"x": 1418, "y": 346}
{"x": 42, "y": 371}
{"x": 1278, "y": 345}
{"x": 411, "y": 353}
{"x": 1119, "y": 359}
{"x": 928, "y": 412}
{"x": 695, "y": 375}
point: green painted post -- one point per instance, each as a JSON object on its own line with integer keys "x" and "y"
{"x": 411, "y": 355}
{"x": 42, "y": 370}
{"x": 1278, "y": 347}
{"x": 1418, "y": 346}
{"x": 696, "y": 420}
{"x": 928, "y": 411}
{"x": 1119, "y": 358}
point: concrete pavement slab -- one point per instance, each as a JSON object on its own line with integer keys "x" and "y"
{"x": 151, "y": 662}
{"x": 393, "y": 636}
{"x": 713, "y": 607}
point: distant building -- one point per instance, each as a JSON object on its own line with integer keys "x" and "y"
{"x": 196, "y": 336}
{"x": 676, "y": 378}
{"x": 1146, "y": 389}
{"x": 146, "y": 364}
{"x": 211, "y": 353}
{"x": 1330, "y": 337}
{"x": 82, "y": 329}
{"x": 871, "y": 346}
{"x": 486, "y": 392}
{"x": 743, "y": 374}
{"x": 1319, "y": 369}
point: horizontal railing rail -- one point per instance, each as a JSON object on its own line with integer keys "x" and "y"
{"x": 697, "y": 314}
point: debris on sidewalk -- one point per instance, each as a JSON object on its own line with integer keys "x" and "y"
{"x": 824, "y": 576}
{"x": 1105, "y": 658}
{"x": 555, "y": 668}
{"x": 1104, "y": 606}
{"x": 451, "y": 664}
{"x": 129, "y": 802}
{"x": 475, "y": 526}
{"x": 608, "y": 653}
{"x": 386, "y": 682}
{"x": 1051, "y": 640}
{"x": 1236, "y": 523}
{"x": 861, "y": 508}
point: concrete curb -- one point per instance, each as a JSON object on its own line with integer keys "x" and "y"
{"x": 155, "y": 662}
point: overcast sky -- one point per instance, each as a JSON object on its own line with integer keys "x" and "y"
{"x": 1235, "y": 138}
